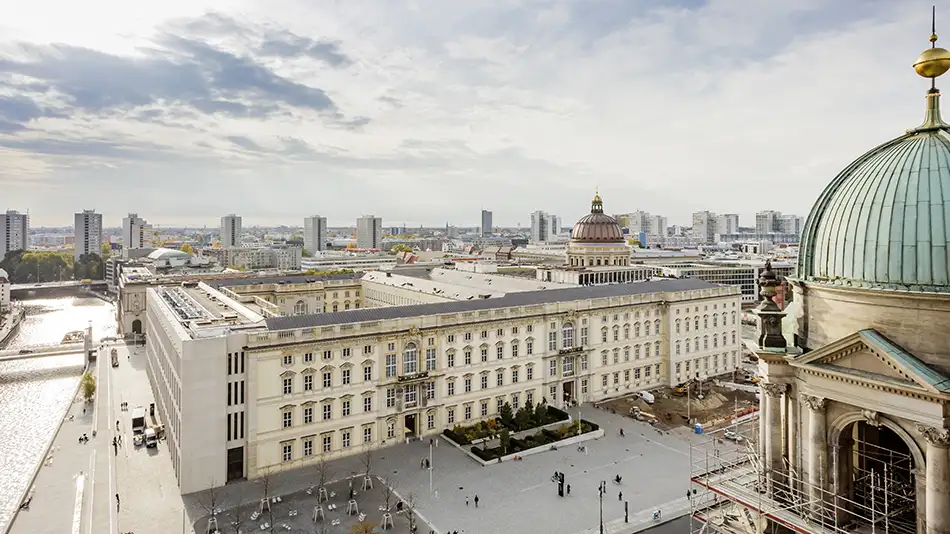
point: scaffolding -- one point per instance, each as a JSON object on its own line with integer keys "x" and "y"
{"x": 736, "y": 492}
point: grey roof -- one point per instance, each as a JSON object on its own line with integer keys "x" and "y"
{"x": 290, "y": 279}
{"x": 524, "y": 298}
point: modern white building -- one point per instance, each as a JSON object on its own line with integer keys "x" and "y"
{"x": 545, "y": 227}
{"x": 315, "y": 234}
{"x": 705, "y": 226}
{"x": 136, "y": 232}
{"x": 230, "y": 231}
{"x": 14, "y": 232}
{"x": 4, "y": 291}
{"x": 87, "y": 227}
{"x": 359, "y": 262}
{"x": 369, "y": 232}
{"x": 486, "y": 224}
{"x": 728, "y": 223}
{"x": 282, "y": 392}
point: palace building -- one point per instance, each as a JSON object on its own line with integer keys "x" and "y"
{"x": 855, "y": 424}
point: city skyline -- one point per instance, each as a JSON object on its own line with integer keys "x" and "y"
{"x": 378, "y": 104}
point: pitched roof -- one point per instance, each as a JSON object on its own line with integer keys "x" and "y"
{"x": 524, "y": 298}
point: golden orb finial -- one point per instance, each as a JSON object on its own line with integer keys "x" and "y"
{"x": 934, "y": 62}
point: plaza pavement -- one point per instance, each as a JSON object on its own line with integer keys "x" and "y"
{"x": 518, "y": 496}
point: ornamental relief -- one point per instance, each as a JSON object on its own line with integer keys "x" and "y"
{"x": 815, "y": 404}
{"x": 939, "y": 437}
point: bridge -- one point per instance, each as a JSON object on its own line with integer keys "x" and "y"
{"x": 56, "y": 289}
{"x": 42, "y": 351}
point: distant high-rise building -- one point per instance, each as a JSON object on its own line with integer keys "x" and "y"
{"x": 136, "y": 232}
{"x": 230, "y": 231}
{"x": 554, "y": 227}
{"x": 87, "y": 229}
{"x": 315, "y": 233}
{"x": 369, "y": 232}
{"x": 791, "y": 224}
{"x": 14, "y": 232}
{"x": 705, "y": 227}
{"x": 540, "y": 227}
{"x": 728, "y": 223}
{"x": 486, "y": 227}
{"x": 766, "y": 221}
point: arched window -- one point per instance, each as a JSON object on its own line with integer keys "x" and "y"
{"x": 715, "y": 341}
{"x": 336, "y": 307}
{"x": 626, "y": 331}
{"x": 705, "y": 342}
{"x": 646, "y": 350}
{"x": 688, "y": 321}
{"x": 346, "y": 305}
{"x": 677, "y": 327}
{"x": 616, "y": 333}
{"x": 646, "y": 328}
{"x": 733, "y": 317}
{"x": 696, "y": 323}
{"x": 656, "y": 327}
{"x": 724, "y": 339}
{"x": 567, "y": 336}
{"x": 636, "y": 329}
{"x": 410, "y": 359}
{"x": 656, "y": 349}
{"x": 705, "y": 321}
{"x": 300, "y": 308}
{"x": 715, "y": 321}
{"x": 603, "y": 334}
{"x": 696, "y": 343}
{"x": 677, "y": 347}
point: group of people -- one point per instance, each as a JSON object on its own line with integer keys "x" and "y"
{"x": 83, "y": 438}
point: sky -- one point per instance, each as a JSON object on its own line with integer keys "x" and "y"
{"x": 427, "y": 111}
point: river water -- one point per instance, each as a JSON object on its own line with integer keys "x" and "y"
{"x": 35, "y": 393}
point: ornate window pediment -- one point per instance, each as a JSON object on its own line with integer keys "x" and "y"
{"x": 368, "y": 362}
{"x": 348, "y": 396}
{"x": 308, "y": 371}
{"x": 326, "y": 368}
{"x": 287, "y": 407}
{"x": 347, "y": 365}
{"x": 327, "y": 400}
{"x": 287, "y": 374}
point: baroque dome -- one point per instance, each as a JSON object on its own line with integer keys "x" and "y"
{"x": 884, "y": 222}
{"x": 598, "y": 227}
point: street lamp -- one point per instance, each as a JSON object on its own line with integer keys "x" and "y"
{"x": 602, "y": 490}
{"x": 430, "y": 466}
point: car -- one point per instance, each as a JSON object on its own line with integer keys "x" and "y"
{"x": 732, "y": 436}
{"x": 26, "y": 351}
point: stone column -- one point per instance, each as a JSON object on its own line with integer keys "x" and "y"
{"x": 791, "y": 438}
{"x": 817, "y": 450}
{"x": 938, "y": 479}
{"x": 773, "y": 445}
{"x": 843, "y": 469}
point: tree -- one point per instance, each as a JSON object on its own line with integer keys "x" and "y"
{"x": 88, "y": 385}
{"x": 187, "y": 249}
{"x": 365, "y": 527}
{"x": 410, "y": 506}
{"x": 89, "y": 267}
{"x": 505, "y": 440}
{"x": 389, "y": 493}
{"x": 506, "y": 415}
{"x": 323, "y": 473}
{"x": 266, "y": 488}
{"x": 105, "y": 250}
{"x": 400, "y": 247}
{"x": 210, "y": 500}
{"x": 367, "y": 461}
{"x": 524, "y": 418}
{"x": 36, "y": 267}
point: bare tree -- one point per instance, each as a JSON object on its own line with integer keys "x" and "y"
{"x": 389, "y": 493}
{"x": 266, "y": 488}
{"x": 210, "y": 501}
{"x": 367, "y": 461}
{"x": 322, "y": 474}
{"x": 239, "y": 518}
{"x": 410, "y": 506}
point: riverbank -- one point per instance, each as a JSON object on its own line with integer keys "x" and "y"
{"x": 9, "y": 324}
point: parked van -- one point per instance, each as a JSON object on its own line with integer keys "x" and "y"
{"x": 647, "y": 397}
{"x": 151, "y": 439}
{"x": 138, "y": 419}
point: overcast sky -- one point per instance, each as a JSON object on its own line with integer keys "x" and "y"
{"x": 428, "y": 111}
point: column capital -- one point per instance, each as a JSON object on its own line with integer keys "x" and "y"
{"x": 815, "y": 404}
{"x": 938, "y": 437}
{"x": 774, "y": 389}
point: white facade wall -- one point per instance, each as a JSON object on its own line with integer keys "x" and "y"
{"x": 14, "y": 232}
{"x": 4, "y": 293}
{"x": 87, "y": 227}
{"x": 136, "y": 232}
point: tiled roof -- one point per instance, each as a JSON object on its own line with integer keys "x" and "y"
{"x": 524, "y": 298}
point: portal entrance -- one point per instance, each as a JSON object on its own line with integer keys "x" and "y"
{"x": 137, "y": 326}
{"x": 410, "y": 424}
{"x": 569, "y": 393}
{"x": 876, "y": 478}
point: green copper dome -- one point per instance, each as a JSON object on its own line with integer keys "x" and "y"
{"x": 884, "y": 221}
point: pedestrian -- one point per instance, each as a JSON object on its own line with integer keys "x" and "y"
{"x": 620, "y": 496}
{"x": 466, "y": 500}
{"x": 688, "y": 494}
{"x": 115, "y": 446}
{"x": 120, "y": 440}
{"x": 422, "y": 464}
{"x": 476, "y": 501}
{"x": 117, "y": 425}
{"x": 568, "y": 489}
{"x": 117, "y": 503}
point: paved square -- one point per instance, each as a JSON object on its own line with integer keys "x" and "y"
{"x": 519, "y": 496}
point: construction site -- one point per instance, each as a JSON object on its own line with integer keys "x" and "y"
{"x": 737, "y": 493}
{"x": 709, "y": 403}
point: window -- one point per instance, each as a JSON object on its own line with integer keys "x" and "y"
{"x": 733, "y": 337}
{"x": 346, "y": 377}
{"x": 529, "y": 397}
{"x": 514, "y": 330}
{"x": 390, "y": 365}
{"x": 467, "y": 356}
{"x": 468, "y": 412}
{"x": 529, "y": 373}
{"x": 715, "y": 321}
{"x": 288, "y": 385}
{"x": 514, "y": 349}
{"x": 410, "y": 360}
{"x": 367, "y": 434}
{"x": 390, "y": 429}
{"x": 553, "y": 391}
{"x": 686, "y": 324}
{"x": 715, "y": 339}
{"x": 450, "y": 359}
{"x": 552, "y": 368}
{"x": 328, "y": 355}
{"x": 515, "y": 401}
{"x": 603, "y": 335}
{"x": 552, "y": 340}
{"x": 411, "y": 394}
{"x": 568, "y": 367}
{"x": 430, "y": 390}
{"x": 390, "y": 397}
{"x": 391, "y": 347}
{"x": 677, "y": 348}
{"x": 430, "y": 359}
{"x": 484, "y": 408}
{"x": 347, "y": 352}
{"x": 450, "y": 388}
{"x": 584, "y": 362}
{"x": 430, "y": 421}
{"x": 696, "y": 323}
{"x": 705, "y": 342}
{"x": 367, "y": 404}
{"x": 307, "y": 415}
{"x": 484, "y": 381}
{"x": 327, "y": 412}
{"x": 656, "y": 349}
{"x": 603, "y": 358}
{"x": 733, "y": 316}
{"x": 529, "y": 346}
{"x": 308, "y": 382}
{"x": 499, "y": 404}
{"x": 308, "y": 357}
{"x": 500, "y": 378}
{"x": 345, "y": 435}
{"x": 484, "y": 334}
{"x": 616, "y": 333}
{"x": 636, "y": 329}
{"x": 646, "y": 329}
{"x": 450, "y": 415}
{"x": 308, "y": 447}
{"x": 327, "y": 379}
{"x": 500, "y": 332}
{"x": 567, "y": 336}
{"x": 346, "y": 408}
{"x": 616, "y": 356}
{"x": 327, "y": 442}
{"x": 626, "y": 354}
{"x": 626, "y": 375}
{"x": 499, "y": 351}
{"x": 678, "y": 368}
{"x": 430, "y": 341}
{"x": 484, "y": 350}
{"x": 529, "y": 328}
{"x": 584, "y": 386}
{"x": 288, "y": 418}
{"x": 287, "y": 451}
{"x": 367, "y": 373}
{"x": 468, "y": 384}
{"x": 468, "y": 336}
{"x": 603, "y": 380}
{"x": 677, "y": 325}
{"x": 584, "y": 336}
{"x": 288, "y": 359}
{"x": 705, "y": 321}
{"x": 514, "y": 376}
{"x": 626, "y": 331}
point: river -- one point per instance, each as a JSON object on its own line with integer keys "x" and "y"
{"x": 35, "y": 393}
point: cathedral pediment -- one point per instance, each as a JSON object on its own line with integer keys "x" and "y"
{"x": 867, "y": 355}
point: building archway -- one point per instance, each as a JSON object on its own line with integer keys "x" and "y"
{"x": 878, "y": 473}
{"x": 137, "y": 326}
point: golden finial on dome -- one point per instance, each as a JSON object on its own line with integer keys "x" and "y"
{"x": 597, "y": 194}
{"x": 934, "y": 62}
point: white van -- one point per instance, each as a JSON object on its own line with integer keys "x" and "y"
{"x": 151, "y": 440}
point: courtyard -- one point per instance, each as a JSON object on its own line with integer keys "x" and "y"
{"x": 514, "y": 496}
